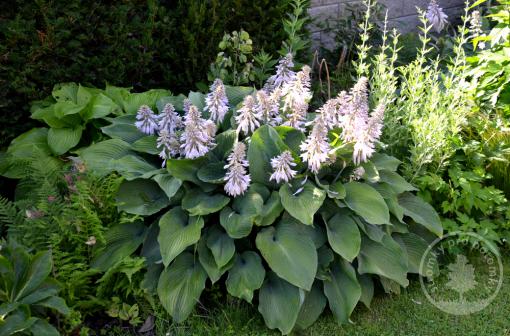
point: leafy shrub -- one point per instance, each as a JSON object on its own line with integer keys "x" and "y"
{"x": 26, "y": 291}
{"x": 157, "y": 43}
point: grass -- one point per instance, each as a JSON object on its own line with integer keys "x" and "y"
{"x": 406, "y": 314}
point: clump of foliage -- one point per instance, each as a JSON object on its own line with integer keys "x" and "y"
{"x": 27, "y": 292}
{"x": 146, "y": 44}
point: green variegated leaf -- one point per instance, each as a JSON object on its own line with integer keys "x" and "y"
{"x": 177, "y": 231}
{"x": 343, "y": 290}
{"x": 246, "y": 276}
{"x": 180, "y": 286}
{"x": 367, "y": 202}
{"x": 279, "y": 303}
{"x": 289, "y": 253}
{"x": 303, "y": 204}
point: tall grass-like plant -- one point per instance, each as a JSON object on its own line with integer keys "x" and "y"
{"x": 428, "y": 105}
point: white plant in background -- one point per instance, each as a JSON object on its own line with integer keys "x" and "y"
{"x": 315, "y": 149}
{"x": 282, "y": 167}
{"x": 296, "y": 95}
{"x": 169, "y": 119}
{"x": 237, "y": 177}
{"x": 248, "y": 118}
{"x": 284, "y": 74}
{"x": 147, "y": 121}
{"x": 216, "y": 101}
{"x": 436, "y": 17}
{"x": 198, "y": 135}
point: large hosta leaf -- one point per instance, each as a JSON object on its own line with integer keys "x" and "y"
{"x": 198, "y": 203}
{"x": 289, "y": 253}
{"x": 100, "y": 106}
{"x": 169, "y": 184}
{"x": 305, "y": 204}
{"x": 279, "y": 303}
{"x": 133, "y": 166}
{"x": 141, "y": 197}
{"x": 367, "y": 289}
{"x": 123, "y": 128}
{"x": 238, "y": 220}
{"x": 236, "y": 94}
{"x": 312, "y": 307}
{"x": 221, "y": 246}
{"x": 415, "y": 247}
{"x": 343, "y": 235}
{"x": 180, "y": 286}
{"x": 383, "y": 161}
{"x": 367, "y": 202}
{"x": 121, "y": 241}
{"x": 186, "y": 169}
{"x": 208, "y": 263}
{"x": 246, "y": 276}
{"x": 62, "y": 140}
{"x": 343, "y": 290}
{"x": 101, "y": 157}
{"x": 177, "y": 231}
{"x": 421, "y": 212}
{"x": 265, "y": 144}
{"x": 385, "y": 258}
{"x": 397, "y": 182}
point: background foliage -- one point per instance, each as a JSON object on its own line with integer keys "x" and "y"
{"x": 144, "y": 44}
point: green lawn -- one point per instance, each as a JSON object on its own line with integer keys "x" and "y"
{"x": 408, "y": 314}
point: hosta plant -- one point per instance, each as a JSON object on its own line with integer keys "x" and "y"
{"x": 292, "y": 210}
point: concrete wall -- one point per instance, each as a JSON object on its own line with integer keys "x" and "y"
{"x": 401, "y": 14}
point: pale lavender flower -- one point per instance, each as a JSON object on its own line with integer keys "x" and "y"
{"x": 284, "y": 74}
{"x": 364, "y": 146}
{"x": 296, "y": 95}
{"x": 355, "y": 113}
{"x": 237, "y": 177}
{"x": 147, "y": 120}
{"x": 268, "y": 106}
{"x": 216, "y": 101}
{"x": 248, "y": 118}
{"x": 186, "y": 104}
{"x": 198, "y": 135}
{"x": 358, "y": 173}
{"x": 169, "y": 119}
{"x": 436, "y": 16}
{"x": 282, "y": 170}
{"x": 315, "y": 149}
{"x": 168, "y": 143}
